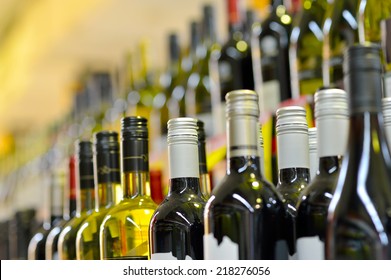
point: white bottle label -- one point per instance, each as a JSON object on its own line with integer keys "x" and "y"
{"x": 226, "y": 250}
{"x": 166, "y": 256}
{"x": 310, "y": 248}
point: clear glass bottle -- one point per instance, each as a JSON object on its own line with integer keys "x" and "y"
{"x": 108, "y": 193}
{"x": 177, "y": 226}
{"x": 244, "y": 217}
{"x": 51, "y": 246}
{"x": 340, "y": 30}
{"x": 359, "y": 215}
{"x": 84, "y": 200}
{"x": 332, "y": 120}
{"x": 124, "y": 230}
{"x": 305, "y": 48}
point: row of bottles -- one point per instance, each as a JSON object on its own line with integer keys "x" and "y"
{"x": 279, "y": 56}
{"x": 342, "y": 212}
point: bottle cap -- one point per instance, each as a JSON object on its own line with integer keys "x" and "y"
{"x": 182, "y": 130}
{"x": 363, "y": 77}
{"x": 134, "y": 128}
{"x": 331, "y": 102}
{"x": 83, "y": 149}
{"x": 312, "y": 139}
{"x": 291, "y": 119}
{"x": 386, "y": 106}
{"x": 242, "y": 102}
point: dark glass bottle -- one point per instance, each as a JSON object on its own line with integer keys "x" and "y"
{"x": 231, "y": 64}
{"x": 270, "y": 47}
{"x": 244, "y": 217}
{"x": 205, "y": 184}
{"x": 340, "y": 30}
{"x": 84, "y": 200}
{"x": 108, "y": 192}
{"x": 177, "y": 226}
{"x": 331, "y": 113}
{"x": 359, "y": 216}
{"x": 51, "y": 247}
{"x": 293, "y": 162}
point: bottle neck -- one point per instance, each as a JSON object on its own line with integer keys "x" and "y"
{"x": 183, "y": 185}
{"x": 136, "y": 184}
{"x": 86, "y": 201}
{"x": 366, "y": 133}
{"x": 235, "y": 23}
{"x": 329, "y": 165}
{"x": 183, "y": 160}
{"x": 291, "y": 175}
{"x": 107, "y": 194}
{"x": 242, "y": 137}
{"x": 332, "y": 135}
{"x": 70, "y": 204}
{"x": 244, "y": 164}
{"x": 293, "y": 150}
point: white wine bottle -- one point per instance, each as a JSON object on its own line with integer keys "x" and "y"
{"x": 108, "y": 192}
{"x": 123, "y": 233}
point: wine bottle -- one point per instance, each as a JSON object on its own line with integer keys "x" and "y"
{"x": 331, "y": 115}
{"x": 205, "y": 184}
{"x": 123, "y": 233}
{"x": 108, "y": 193}
{"x": 386, "y": 109}
{"x": 293, "y": 162}
{"x": 305, "y": 48}
{"x": 51, "y": 246}
{"x": 177, "y": 226}
{"x": 313, "y": 151}
{"x": 244, "y": 217}
{"x": 230, "y": 64}
{"x": 198, "y": 91}
{"x": 84, "y": 200}
{"x": 369, "y": 17}
{"x": 358, "y": 220}
{"x": 340, "y": 30}
{"x": 36, "y": 248}
{"x": 270, "y": 48}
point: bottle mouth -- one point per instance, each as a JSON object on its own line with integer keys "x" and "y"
{"x": 242, "y": 102}
{"x": 182, "y": 130}
{"x": 291, "y": 119}
{"x": 134, "y": 128}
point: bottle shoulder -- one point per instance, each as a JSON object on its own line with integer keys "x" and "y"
{"x": 248, "y": 188}
{"x": 180, "y": 208}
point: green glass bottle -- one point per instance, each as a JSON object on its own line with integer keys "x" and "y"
{"x": 108, "y": 192}
{"x": 84, "y": 198}
{"x": 124, "y": 230}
